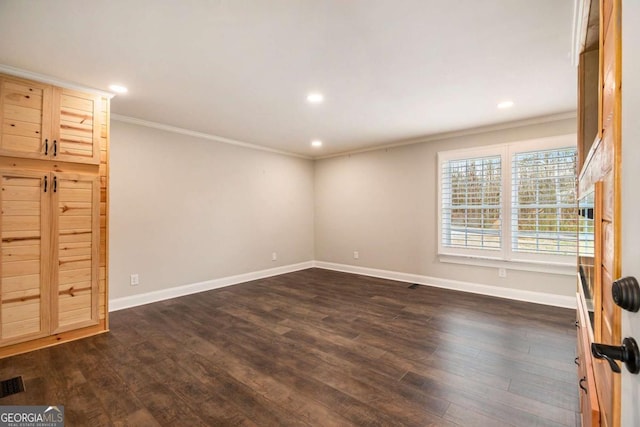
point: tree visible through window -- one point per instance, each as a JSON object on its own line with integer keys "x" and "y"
{"x": 472, "y": 207}
{"x": 509, "y": 201}
{"x": 544, "y": 212}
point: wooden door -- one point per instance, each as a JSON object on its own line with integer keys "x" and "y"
{"x": 606, "y": 168}
{"x": 25, "y": 113}
{"x": 24, "y": 260}
{"x": 76, "y": 126}
{"x": 76, "y": 244}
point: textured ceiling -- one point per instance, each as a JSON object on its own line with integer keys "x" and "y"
{"x": 390, "y": 70}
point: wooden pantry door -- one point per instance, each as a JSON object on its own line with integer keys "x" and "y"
{"x": 24, "y": 258}
{"x": 76, "y": 245}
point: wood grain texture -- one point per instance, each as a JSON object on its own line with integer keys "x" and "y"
{"x": 589, "y": 407}
{"x": 603, "y": 167}
{"x": 587, "y": 103}
{"x": 315, "y": 347}
{"x": 24, "y": 260}
{"x": 40, "y": 121}
{"x": 75, "y": 295}
{"x": 25, "y": 115}
{"x": 103, "y": 172}
{"x": 77, "y": 126}
{"x": 76, "y": 208}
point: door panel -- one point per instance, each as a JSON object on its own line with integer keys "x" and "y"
{"x": 76, "y": 122}
{"x": 77, "y": 230}
{"x": 25, "y": 109}
{"x": 24, "y": 261}
{"x": 608, "y": 329}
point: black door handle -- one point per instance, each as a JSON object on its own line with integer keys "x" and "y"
{"x": 627, "y": 353}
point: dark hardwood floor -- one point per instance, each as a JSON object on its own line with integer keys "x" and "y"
{"x": 318, "y": 348}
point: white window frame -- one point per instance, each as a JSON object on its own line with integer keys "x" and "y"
{"x": 504, "y": 257}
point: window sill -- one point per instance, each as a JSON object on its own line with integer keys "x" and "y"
{"x": 539, "y": 267}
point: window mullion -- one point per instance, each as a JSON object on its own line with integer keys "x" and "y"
{"x": 558, "y": 209}
{"x": 505, "y": 223}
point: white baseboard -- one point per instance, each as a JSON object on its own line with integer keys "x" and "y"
{"x": 164, "y": 294}
{"x": 476, "y": 288}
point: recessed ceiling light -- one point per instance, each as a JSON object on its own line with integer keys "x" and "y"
{"x": 316, "y": 143}
{"x": 315, "y": 98}
{"x": 118, "y": 88}
{"x": 505, "y": 104}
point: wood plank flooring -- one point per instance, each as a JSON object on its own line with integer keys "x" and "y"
{"x": 317, "y": 348}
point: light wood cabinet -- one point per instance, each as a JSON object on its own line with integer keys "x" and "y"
{"x": 589, "y": 408}
{"x": 54, "y": 172}
{"x": 25, "y": 110}
{"x": 76, "y": 126}
{"x": 75, "y": 243}
{"x": 24, "y": 261}
{"x": 50, "y": 241}
{"x": 45, "y": 122}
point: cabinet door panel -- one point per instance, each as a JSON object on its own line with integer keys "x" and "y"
{"x": 24, "y": 261}
{"x": 25, "y": 113}
{"x": 77, "y": 126}
{"x": 77, "y": 236}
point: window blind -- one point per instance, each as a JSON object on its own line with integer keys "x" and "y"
{"x": 471, "y": 203}
{"x": 543, "y": 202}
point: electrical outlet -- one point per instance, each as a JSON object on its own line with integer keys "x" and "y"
{"x": 274, "y": 256}
{"x": 135, "y": 280}
{"x": 356, "y": 255}
{"x": 502, "y": 272}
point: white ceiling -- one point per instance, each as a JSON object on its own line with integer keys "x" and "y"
{"x": 390, "y": 70}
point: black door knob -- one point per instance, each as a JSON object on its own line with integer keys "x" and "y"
{"x": 627, "y": 353}
{"x": 626, "y": 293}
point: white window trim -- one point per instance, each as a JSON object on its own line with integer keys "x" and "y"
{"x": 537, "y": 266}
{"x": 505, "y": 257}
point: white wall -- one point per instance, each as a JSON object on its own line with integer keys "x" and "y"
{"x": 186, "y": 210}
{"x": 383, "y": 204}
{"x": 630, "y": 200}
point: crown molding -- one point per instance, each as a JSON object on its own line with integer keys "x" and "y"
{"x": 464, "y": 132}
{"x": 202, "y": 135}
{"x": 17, "y": 72}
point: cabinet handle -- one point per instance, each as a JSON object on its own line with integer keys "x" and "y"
{"x": 55, "y": 147}
{"x": 577, "y": 361}
{"x": 45, "y": 183}
{"x": 583, "y": 379}
{"x": 55, "y": 184}
{"x": 46, "y": 147}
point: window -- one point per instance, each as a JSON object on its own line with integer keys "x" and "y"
{"x": 471, "y": 203}
{"x": 543, "y": 202}
{"x": 510, "y": 202}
